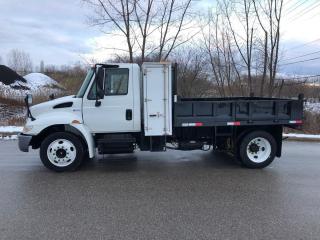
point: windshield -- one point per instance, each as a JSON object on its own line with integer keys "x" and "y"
{"x": 85, "y": 83}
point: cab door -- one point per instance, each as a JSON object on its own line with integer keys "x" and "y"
{"x": 114, "y": 113}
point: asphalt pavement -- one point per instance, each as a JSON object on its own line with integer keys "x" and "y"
{"x": 172, "y": 195}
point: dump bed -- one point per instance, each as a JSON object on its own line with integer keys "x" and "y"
{"x": 189, "y": 112}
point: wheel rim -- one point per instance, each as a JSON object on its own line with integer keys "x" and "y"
{"x": 61, "y": 152}
{"x": 259, "y": 150}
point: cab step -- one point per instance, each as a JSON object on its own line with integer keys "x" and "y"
{"x": 116, "y": 143}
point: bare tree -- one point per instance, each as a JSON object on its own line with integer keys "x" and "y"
{"x": 240, "y": 11}
{"x": 193, "y": 79}
{"x": 19, "y": 61}
{"x": 269, "y": 14}
{"x": 117, "y": 14}
{"x": 216, "y": 40}
{"x": 143, "y": 22}
{"x": 261, "y": 21}
{"x": 171, "y": 25}
{"x": 41, "y": 66}
{"x": 242, "y": 44}
{"x": 144, "y": 18}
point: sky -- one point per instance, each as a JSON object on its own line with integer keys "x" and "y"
{"x": 57, "y": 32}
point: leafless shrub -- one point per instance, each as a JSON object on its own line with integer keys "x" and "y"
{"x": 12, "y": 101}
{"x": 311, "y": 123}
{"x": 193, "y": 81}
{"x": 70, "y": 77}
{"x": 16, "y": 121}
{"x": 19, "y": 61}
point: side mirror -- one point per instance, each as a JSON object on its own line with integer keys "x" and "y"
{"x": 99, "y": 86}
{"x": 100, "y": 83}
{"x": 29, "y": 99}
{"x": 100, "y": 94}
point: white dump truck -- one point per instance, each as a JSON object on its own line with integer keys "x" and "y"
{"x": 123, "y": 107}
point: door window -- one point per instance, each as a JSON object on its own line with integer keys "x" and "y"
{"x": 116, "y": 81}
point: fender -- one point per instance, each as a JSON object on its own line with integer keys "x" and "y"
{"x": 87, "y": 136}
{"x": 48, "y": 119}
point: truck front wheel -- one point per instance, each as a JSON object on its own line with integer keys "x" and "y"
{"x": 257, "y": 149}
{"x": 61, "y": 151}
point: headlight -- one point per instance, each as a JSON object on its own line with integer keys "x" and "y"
{"x": 27, "y": 129}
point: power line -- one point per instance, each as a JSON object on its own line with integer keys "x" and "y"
{"x": 297, "y": 6}
{"x": 305, "y": 11}
{"x": 307, "y": 60}
{"x": 311, "y": 8}
{"x": 293, "y": 5}
{"x": 304, "y": 44}
{"x": 301, "y": 56}
{"x": 305, "y": 8}
{"x": 289, "y": 1}
{"x": 314, "y": 15}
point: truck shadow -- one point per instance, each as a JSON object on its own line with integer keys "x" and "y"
{"x": 221, "y": 160}
{"x": 161, "y": 161}
{"x": 112, "y": 163}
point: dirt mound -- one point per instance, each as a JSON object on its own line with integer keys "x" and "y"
{"x": 8, "y": 76}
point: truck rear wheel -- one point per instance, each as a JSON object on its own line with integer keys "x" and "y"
{"x": 61, "y": 151}
{"x": 257, "y": 149}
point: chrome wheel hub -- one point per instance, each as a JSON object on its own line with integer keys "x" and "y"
{"x": 259, "y": 150}
{"x": 61, "y": 152}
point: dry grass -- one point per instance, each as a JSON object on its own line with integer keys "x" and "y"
{"x": 16, "y": 121}
{"x": 43, "y": 97}
{"x": 11, "y": 101}
{"x": 71, "y": 80}
{"x": 37, "y": 98}
{"x": 311, "y": 123}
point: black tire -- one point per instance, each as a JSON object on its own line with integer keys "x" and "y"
{"x": 244, "y": 145}
{"x": 79, "y": 151}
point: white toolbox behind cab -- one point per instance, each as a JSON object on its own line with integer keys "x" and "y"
{"x": 157, "y": 98}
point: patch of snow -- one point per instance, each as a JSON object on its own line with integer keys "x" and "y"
{"x": 11, "y": 137}
{"x": 304, "y": 136}
{"x": 19, "y": 83}
{"x": 36, "y": 80}
{"x": 284, "y": 75}
{"x": 10, "y": 129}
{"x": 313, "y": 107}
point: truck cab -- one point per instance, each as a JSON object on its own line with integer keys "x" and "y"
{"x": 123, "y": 106}
{"x": 118, "y": 107}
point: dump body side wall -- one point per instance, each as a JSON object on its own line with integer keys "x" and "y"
{"x": 237, "y": 111}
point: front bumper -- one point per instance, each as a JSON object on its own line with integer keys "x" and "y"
{"x": 24, "y": 142}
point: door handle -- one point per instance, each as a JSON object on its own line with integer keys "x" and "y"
{"x": 129, "y": 114}
{"x": 156, "y": 115}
